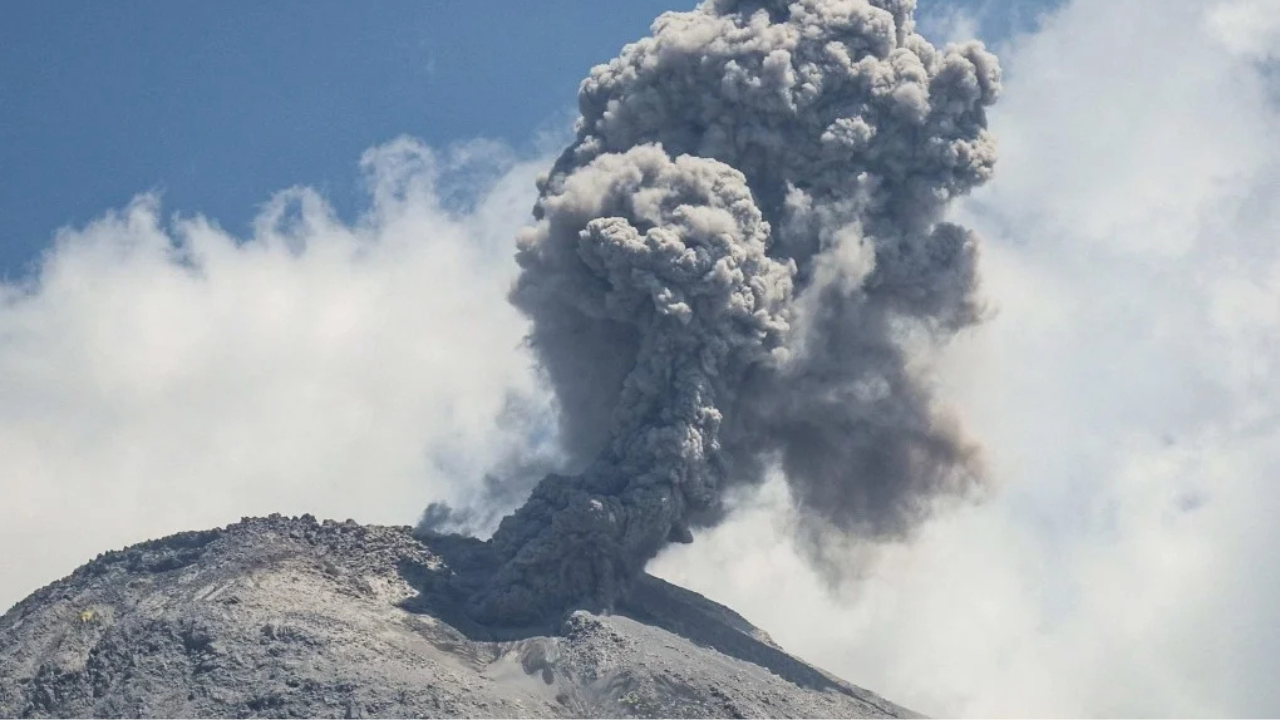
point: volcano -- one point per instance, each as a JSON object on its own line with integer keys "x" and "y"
{"x": 290, "y": 617}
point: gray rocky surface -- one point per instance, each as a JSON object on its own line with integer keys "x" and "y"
{"x": 288, "y": 617}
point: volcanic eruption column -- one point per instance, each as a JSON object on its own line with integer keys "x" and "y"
{"x": 729, "y": 268}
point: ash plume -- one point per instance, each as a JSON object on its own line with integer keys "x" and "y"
{"x": 733, "y": 267}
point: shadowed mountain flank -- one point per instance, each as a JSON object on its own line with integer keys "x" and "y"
{"x": 289, "y": 617}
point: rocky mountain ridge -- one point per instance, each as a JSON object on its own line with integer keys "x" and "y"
{"x": 290, "y": 617}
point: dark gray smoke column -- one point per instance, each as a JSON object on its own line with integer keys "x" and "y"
{"x": 735, "y": 264}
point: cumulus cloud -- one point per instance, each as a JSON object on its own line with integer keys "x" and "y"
{"x": 1248, "y": 27}
{"x": 159, "y": 374}
{"x": 1125, "y": 391}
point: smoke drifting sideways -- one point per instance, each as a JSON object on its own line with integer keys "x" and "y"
{"x": 736, "y": 266}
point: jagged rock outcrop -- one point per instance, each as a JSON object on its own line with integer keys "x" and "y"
{"x": 282, "y": 617}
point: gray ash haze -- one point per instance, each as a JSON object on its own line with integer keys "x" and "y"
{"x": 738, "y": 264}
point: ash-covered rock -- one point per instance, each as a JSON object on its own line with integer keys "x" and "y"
{"x": 281, "y": 617}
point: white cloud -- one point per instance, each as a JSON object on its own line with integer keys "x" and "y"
{"x": 1248, "y": 27}
{"x": 1128, "y": 393}
{"x": 163, "y": 376}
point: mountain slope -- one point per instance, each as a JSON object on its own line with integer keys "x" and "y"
{"x": 289, "y": 617}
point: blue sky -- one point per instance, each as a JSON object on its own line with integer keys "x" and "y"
{"x": 218, "y": 106}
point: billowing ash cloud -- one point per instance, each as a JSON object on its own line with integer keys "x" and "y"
{"x": 733, "y": 266}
